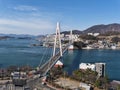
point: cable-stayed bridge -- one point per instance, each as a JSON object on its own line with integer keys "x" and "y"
{"x": 56, "y": 55}
{"x": 46, "y": 65}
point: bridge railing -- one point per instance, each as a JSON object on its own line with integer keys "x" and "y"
{"x": 51, "y": 62}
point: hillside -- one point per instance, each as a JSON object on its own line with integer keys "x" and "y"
{"x": 73, "y": 31}
{"x": 103, "y": 28}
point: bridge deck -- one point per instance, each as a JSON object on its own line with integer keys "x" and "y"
{"x": 51, "y": 62}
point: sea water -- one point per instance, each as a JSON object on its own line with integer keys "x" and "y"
{"x": 20, "y": 52}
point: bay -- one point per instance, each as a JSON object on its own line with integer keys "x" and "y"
{"x": 20, "y": 52}
{"x": 110, "y": 57}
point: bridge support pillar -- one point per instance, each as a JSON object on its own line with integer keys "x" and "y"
{"x": 57, "y": 36}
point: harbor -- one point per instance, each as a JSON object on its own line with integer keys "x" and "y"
{"x": 71, "y": 59}
{"x": 59, "y": 45}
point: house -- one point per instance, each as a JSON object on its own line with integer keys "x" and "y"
{"x": 58, "y": 64}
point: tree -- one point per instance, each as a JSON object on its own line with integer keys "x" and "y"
{"x": 97, "y": 83}
{"x": 79, "y": 44}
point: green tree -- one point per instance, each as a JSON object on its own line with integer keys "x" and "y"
{"x": 97, "y": 83}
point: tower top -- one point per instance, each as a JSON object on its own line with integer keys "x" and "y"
{"x": 58, "y": 25}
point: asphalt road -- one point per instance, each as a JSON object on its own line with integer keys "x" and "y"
{"x": 37, "y": 83}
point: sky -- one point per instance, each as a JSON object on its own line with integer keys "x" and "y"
{"x": 37, "y": 17}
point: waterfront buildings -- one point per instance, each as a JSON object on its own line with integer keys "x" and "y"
{"x": 98, "y": 67}
{"x": 71, "y": 47}
{"x": 87, "y": 66}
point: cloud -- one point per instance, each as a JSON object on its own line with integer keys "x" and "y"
{"x": 25, "y": 8}
{"x": 25, "y": 27}
{"x": 29, "y": 21}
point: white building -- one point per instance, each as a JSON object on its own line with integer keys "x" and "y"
{"x": 90, "y": 34}
{"x": 84, "y": 85}
{"x": 94, "y": 34}
{"x": 17, "y": 75}
{"x": 89, "y": 47}
{"x": 58, "y": 64}
{"x": 87, "y": 66}
{"x": 98, "y": 67}
{"x": 71, "y": 47}
{"x": 74, "y": 37}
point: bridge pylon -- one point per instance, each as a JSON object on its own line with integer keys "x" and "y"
{"x": 57, "y": 37}
{"x": 71, "y": 37}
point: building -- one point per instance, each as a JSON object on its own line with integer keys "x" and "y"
{"x": 58, "y": 64}
{"x": 74, "y": 37}
{"x": 19, "y": 78}
{"x": 87, "y": 66}
{"x": 100, "y": 69}
{"x": 71, "y": 47}
{"x": 85, "y": 86}
{"x": 94, "y": 34}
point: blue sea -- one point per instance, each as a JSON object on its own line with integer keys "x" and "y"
{"x": 20, "y": 52}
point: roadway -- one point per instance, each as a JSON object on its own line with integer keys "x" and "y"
{"x": 51, "y": 62}
{"x": 37, "y": 83}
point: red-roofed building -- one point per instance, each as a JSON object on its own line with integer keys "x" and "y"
{"x": 59, "y": 64}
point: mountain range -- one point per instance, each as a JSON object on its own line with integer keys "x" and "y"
{"x": 102, "y": 29}
{"x": 73, "y": 31}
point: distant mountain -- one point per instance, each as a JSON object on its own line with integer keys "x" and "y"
{"x": 5, "y": 37}
{"x": 103, "y": 28}
{"x": 17, "y": 35}
{"x": 73, "y": 31}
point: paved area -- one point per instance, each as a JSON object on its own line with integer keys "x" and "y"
{"x": 10, "y": 87}
{"x": 66, "y": 82}
{"x": 32, "y": 83}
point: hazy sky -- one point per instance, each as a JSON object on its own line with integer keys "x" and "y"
{"x": 40, "y": 16}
